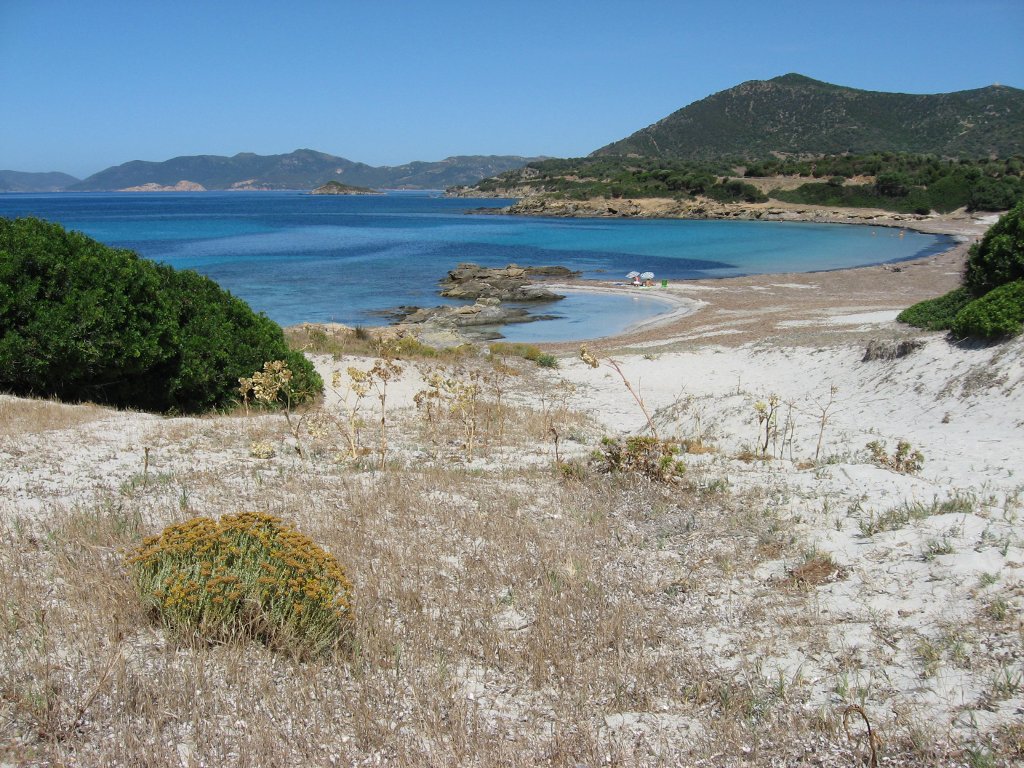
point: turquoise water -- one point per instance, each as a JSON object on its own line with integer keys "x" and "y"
{"x": 349, "y": 259}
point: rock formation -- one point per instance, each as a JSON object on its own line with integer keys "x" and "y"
{"x": 511, "y": 283}
{"x": 182, "y": 186}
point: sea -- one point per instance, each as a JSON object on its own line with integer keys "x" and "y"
{"x": 353, "y": 259}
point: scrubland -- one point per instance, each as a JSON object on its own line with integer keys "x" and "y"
{"x": 792, "y": 597}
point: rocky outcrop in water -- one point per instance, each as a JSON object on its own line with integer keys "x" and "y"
{"x": 488, "y": 287}
{"x": 511, "y": 283}
{"x": 479, "y": 320}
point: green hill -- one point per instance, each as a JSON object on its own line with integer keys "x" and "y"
{"x": 794, "y": 114}
{"x": 301, "y": 169}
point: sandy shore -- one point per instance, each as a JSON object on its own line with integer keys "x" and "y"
{"x": 801, "y": 308}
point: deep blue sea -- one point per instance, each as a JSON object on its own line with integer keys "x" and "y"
{"x": 300, "y": 257}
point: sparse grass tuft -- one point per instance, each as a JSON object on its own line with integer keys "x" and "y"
{"x": 935, "y": 547}
{"x": 531, "y": 352}
{"x": 900, "y": 516}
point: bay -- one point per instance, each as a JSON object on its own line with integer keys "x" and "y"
{"x": 310, "y": 258}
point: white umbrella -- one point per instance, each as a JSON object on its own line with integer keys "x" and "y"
{"x": 631, "y": 275}
{"x": 647, "y": 276}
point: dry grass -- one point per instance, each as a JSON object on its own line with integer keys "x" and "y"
{"x": 21, "y": 416}
{"x": 504, "y": 616}
{"x": 815, "y": 570}
{"x": 497, "y": 624}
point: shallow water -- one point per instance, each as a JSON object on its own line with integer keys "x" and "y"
{"x": 300, "y": 257}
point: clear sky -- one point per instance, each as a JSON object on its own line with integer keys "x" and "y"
{"x": 91, "y": 83}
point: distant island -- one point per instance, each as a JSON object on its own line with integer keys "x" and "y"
{"x": 337, "y": 188}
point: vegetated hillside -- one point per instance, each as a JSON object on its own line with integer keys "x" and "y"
{"x": 887, "y": 180}
{"x": 450, "y": 172}
{"x": 613, "y": 177}
{"x": 796, "y": 114}
{"x": 21, "y": 181}
{"x": 301, "y": 169}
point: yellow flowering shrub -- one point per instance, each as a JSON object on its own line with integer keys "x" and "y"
{"x": 245, "y": 575}
{"x": 261, "y": 449}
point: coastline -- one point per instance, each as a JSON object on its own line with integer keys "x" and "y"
{"x": 790, "y": 307}
{"x": 799, "y": 307}
{"x": 704, "y": 209}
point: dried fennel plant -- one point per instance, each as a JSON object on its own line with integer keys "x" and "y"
{"x": 357, "y": 388}
{"x": 593, "y": 362}
{"x": 268, "y": 387}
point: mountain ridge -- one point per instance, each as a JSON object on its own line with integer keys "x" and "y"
{"x": 796, "y": 114}
{"x": 28, "y": 181}
{"x": 300, "y": 169}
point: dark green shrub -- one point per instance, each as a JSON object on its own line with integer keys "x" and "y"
{"x": 79, "y": 320}
{"x": 936, "y": 314}
{"x": 247, "y": 575}
{"x": 999, "y": 257}
{"x": 998, "y": 314}
{"x": 82, "y": 321}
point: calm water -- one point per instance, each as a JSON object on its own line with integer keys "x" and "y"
{"x": 302, "y": 257}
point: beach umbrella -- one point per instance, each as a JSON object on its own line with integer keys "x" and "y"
{"x": 647, "y": 276}
{"x": 631, "y": 275}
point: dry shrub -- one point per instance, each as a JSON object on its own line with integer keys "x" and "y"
{"x": 696, "y": 446}
{"x": 904, "y": 459}
{"x": 814, "y": 571}
{"x": 246, "y": 575}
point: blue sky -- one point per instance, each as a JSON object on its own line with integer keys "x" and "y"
{"x": 91, "y": 83}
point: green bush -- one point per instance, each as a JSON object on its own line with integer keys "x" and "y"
{"x": 247, "y": 575}
{"x": 82, "y": 321}
{"x": 998, "y": 314}
{"x": 936, "y": 314}
{"x": 640, "y": 456}
{"x": 990, "y": 303}
{"x": 999, "y": 257}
